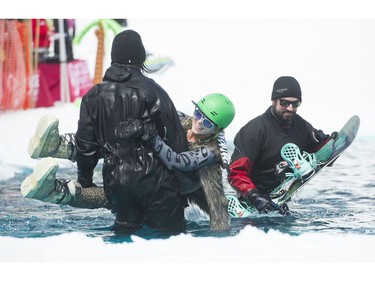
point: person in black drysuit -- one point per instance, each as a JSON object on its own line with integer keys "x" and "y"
{"x": 259, "y": 142}
{"x": 140, "y": 188}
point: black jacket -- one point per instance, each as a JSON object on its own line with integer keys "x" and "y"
{"x": 257, "y": 150}
{"x": 129, "y": 165}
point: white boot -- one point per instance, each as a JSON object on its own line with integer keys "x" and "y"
{"x": 47, "y": 142}
{"x": 43, "y": 185}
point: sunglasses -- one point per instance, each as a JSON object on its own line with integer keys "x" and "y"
{"x": 286, "y": 103}
{"x": 206, "y": 123}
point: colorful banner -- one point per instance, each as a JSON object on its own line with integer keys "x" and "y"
{"x": 49, "y": 82}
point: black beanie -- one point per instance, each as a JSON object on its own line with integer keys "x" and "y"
{"x": 286, "y": 86}
{"x": 127, "y": 48}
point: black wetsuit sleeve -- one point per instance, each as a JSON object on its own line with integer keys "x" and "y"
{"x": 184, "y": 161}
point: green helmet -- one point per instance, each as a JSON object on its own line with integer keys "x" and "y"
{"x": 218, "y": 108}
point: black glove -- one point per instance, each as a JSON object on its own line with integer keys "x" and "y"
{"x": 320, "y": 135}
{"x": 261, "y": 202}
{"x": 135, "y": 128}
{"x": 334, "y": 135}
{"x": 131, "y": 128}
{"x": 149, "y": 130}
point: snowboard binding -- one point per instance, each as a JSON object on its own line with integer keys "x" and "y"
{"x": 300, "y": 166}
{"x": 303, "y": 166}
{"x": 237, "y": 208}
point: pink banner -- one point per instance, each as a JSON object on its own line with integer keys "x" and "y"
{"x": 49, "y": 82}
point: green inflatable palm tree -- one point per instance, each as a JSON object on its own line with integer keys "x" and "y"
{"x": 103, "y": 26}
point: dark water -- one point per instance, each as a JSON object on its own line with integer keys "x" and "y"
{"x": 341, "y": 200}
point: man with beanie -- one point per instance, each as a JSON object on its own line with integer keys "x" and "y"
{"x": 259, "y": 142}
{"x": 140, "y": 188}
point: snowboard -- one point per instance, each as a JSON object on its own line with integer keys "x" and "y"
{"x": 293, "y": 182}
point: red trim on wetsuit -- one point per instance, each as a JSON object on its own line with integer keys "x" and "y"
{"x": 239, "y": 175}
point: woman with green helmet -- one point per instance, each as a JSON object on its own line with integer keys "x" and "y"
{"x": 207, "y": 155}
{"x": 218, "y": 108}
{"x": 213, "y": 113}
